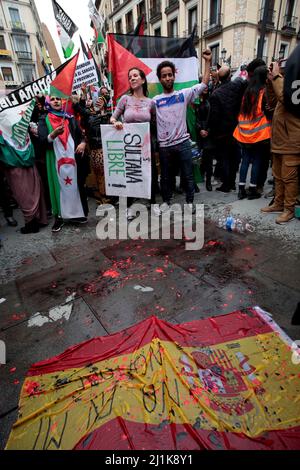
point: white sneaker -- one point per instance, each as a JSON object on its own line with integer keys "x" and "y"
{"x": 164, "y": 207}
{"x": 129, "y": 214}
{"x": 156, "y": 210}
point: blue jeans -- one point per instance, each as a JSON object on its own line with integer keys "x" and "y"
{"x": 169, "y": 157}
{"x": 252, "y": 154}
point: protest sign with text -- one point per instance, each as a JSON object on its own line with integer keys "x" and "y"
{"x": 127, "y": 160}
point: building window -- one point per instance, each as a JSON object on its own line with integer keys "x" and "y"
{"x": 21, "y": 43}
{"x": 283, "y": 51}
{"x": 129, "y": 22}
{"x": 173, "y": 28}
{"x": 289, "y": 10}
{"x": 193, "y": 13}
{"x": 119, "y": 28}
{"x": 141, "y": 9}
{"x": 215, "y": 52}
{"x": 157, "y": 32}
{"x": 2, "y": 43}
{"x": 14, "y": 15}
{"x": 27, "y": 73}
{"x": 214, "y": 11}
{"x": 7, "y": 74}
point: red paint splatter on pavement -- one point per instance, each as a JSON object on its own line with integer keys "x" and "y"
{"x": 16, "y": 317}
{"x": 159, "y": 270}
{"x": 213, "y": 243}
{"x": 16, "y": 382}
{"x": 111, "y": 273}
{"x": 12, "y": 370}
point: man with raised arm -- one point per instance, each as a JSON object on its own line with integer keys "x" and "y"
{"x": 173, "y": 138}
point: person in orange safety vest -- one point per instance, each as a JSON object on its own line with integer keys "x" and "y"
{"x": 253, "y": 131}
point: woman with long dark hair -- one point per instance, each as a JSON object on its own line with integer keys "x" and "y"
{"x": 137, "y": 107}
{"x": 253, "y": 131}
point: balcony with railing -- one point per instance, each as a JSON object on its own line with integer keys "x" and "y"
{"x": 213, "y": 27}
{"x": 289, "y": 25}
{"x": 11, "y": 84}
{"x": 24, "y": 55}
{"x": 18, "y": 26}
{"x": 171, "y": 6}
{"x": 116, "y": 4}
{"x": 155, "y": 12}
{"x": 270, "y": 24}
{"x": 5, "y": 54}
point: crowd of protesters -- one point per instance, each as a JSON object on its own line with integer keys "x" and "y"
{"x": 238, "y": 122}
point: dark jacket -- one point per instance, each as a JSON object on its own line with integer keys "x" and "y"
{"x": 291, "y": 75}
{"x": 202, "y": 116}
{"x": 225, "y": 103}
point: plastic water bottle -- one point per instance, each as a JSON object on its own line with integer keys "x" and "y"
{"x": 232, "y": 224}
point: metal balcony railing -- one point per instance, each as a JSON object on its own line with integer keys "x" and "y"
{"x": 24, "y": 55}
{"x": 171, "y": 6}
{"x": 212, "y": 27}
{"x": 155, "y": 10}
{"x": 17, "y": 26}
{"x": 289, "y": 22}
{"x": 4, "y": 53}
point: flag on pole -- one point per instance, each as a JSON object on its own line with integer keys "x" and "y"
{"x": 97, "y": 21}
{"x": 146, "y": 52}
{"x": 91, "y": 56}
{"x": 62, "y": 85}
{"x": 84, "y": 51}
{"x": 65, "y": 28}
{"x": 15, "y": 115}
{"x": 140, "y": 27}
{"x": 225, "y": 382}
{"x": 16, "y": 149}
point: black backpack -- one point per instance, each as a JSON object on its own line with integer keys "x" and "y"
{"x": 291, "y": 88}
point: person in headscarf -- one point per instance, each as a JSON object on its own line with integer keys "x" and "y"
{"x": 64, "y": 155}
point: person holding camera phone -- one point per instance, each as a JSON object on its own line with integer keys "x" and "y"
{"x": 285, "y": 145}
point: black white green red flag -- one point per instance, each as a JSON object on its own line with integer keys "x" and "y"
{"x": 65, "y": 28}
{"x": 146, "y": 52}
{"x": 62, "y": 85}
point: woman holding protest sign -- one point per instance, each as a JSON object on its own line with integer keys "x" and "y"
{"x": 136, "y": 107}
{"x": 91, "y": 119}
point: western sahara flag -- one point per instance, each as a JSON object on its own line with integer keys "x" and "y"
{"x": 146, "y": 52}
{"x": 16, "y": 110}
{"x": 65, "y": 28}
{"x": 205, "y": 385}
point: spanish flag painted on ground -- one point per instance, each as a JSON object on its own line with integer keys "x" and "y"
{"x": 227, "y": 382}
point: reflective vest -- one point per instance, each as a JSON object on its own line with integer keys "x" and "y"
{"x": 253, "y": 129}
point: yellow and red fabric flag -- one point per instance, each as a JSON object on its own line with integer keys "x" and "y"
{"x": 227, "y": 382}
